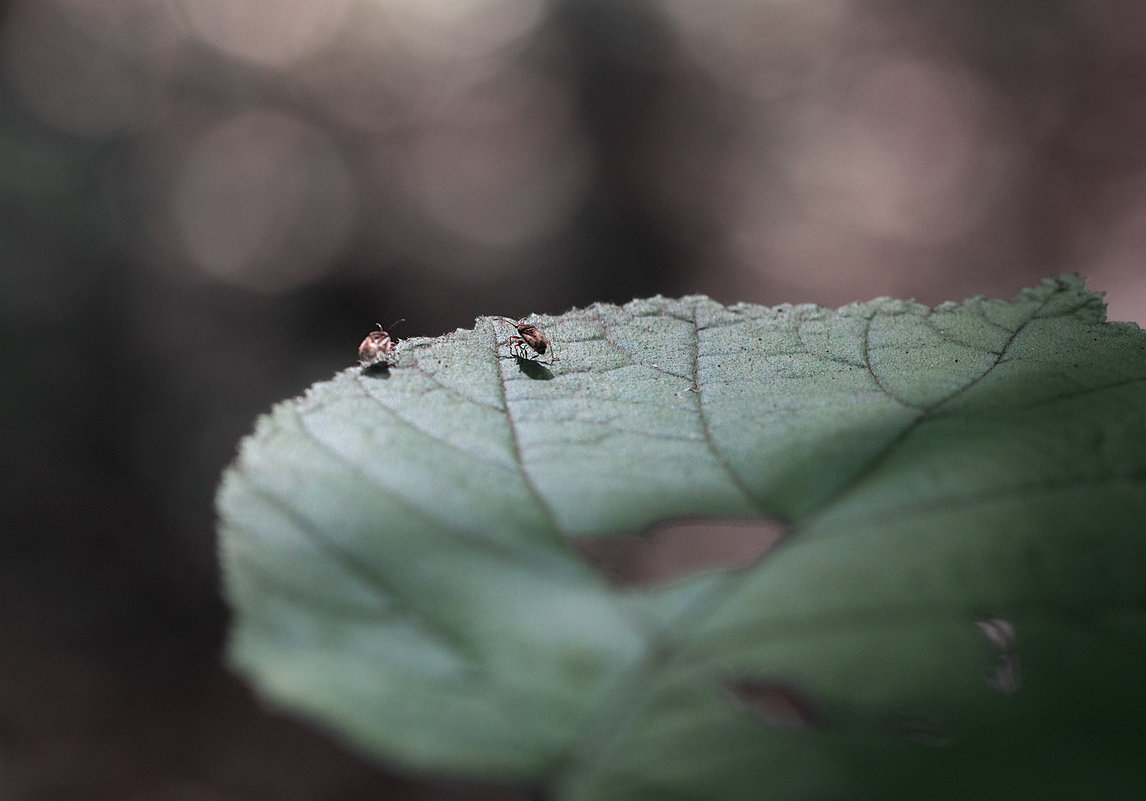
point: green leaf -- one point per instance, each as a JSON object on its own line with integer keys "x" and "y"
{"x": 956, "y": 611}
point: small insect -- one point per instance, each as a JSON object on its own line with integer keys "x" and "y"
{"x": 376, "y": 348}
{"x": 528, "y": 336}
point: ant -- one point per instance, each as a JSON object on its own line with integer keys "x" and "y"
{"x": 377, "y": 347}
{"x": 528, "y": 335}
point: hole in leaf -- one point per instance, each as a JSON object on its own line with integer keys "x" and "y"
{"x": 673, "y": 550}
{"x": 1004, "y": 675}
{"x": 781, "y": 704}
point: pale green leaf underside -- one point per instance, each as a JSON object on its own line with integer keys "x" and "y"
{"x": 398, "y": 549}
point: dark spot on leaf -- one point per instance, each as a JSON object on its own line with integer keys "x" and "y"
{"x": 380, "y": 370}
{"x": 781, "y": 704}
{"x": 670, "y": 551}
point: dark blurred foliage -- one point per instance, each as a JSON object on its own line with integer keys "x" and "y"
{"x": 207, "y": 203}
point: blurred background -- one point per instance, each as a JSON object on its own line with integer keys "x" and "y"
{"x": 206, "y": 204}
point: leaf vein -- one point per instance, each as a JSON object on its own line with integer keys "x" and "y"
{"x": 361, "y": 570}
{"x": 706, "y": 427}
{"x": 926, "y": 414}
{"x": 515, "y": 439}
{"x": 434, "y": 437}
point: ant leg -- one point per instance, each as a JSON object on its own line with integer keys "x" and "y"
{"x": 513, "y": 343}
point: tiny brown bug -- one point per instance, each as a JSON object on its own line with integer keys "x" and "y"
{"x": 376, "y": 348}
{"x": 528, "y": 335}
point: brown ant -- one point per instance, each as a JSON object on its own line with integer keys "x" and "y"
{"x": 377, "y": 347}
{"x": 528, "y": 336}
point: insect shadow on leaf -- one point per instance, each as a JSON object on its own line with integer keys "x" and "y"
{"x": 377, "y": 370}
{"x": 533, "y": 369}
